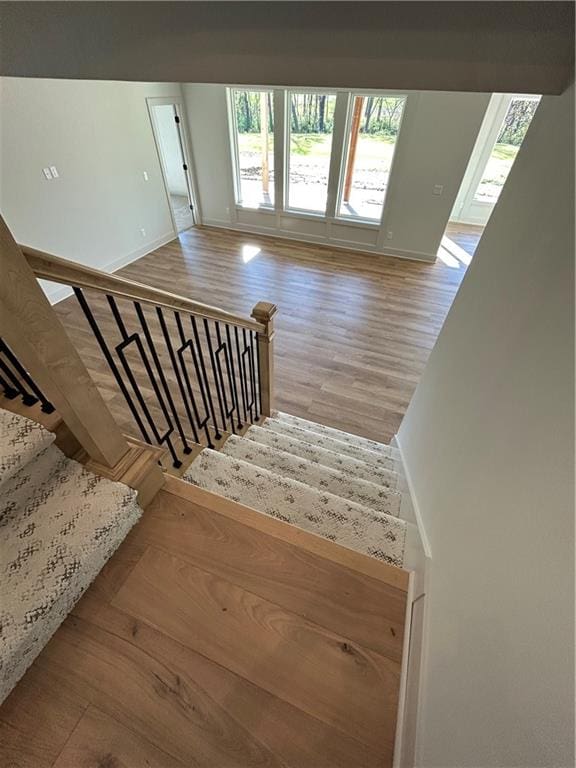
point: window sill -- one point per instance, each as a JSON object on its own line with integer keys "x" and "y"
{"x": 302, "y": 214}
{"x": 258, "y": 208}
{"x": 353, "y": 222}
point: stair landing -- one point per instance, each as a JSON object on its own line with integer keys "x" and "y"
{"x": 217, "y": 636}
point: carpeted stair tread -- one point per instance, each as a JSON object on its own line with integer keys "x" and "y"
{"x": 31, "y": 485}
{"x": 318, "y": 455}
{"x": 369, "y": 495}
{"x": 53, "y": 543}
{"x": 334, "y": 518}
{"x": 380, "y": 460}
{"x": 21, "y": 440}
{"x": 344, "y": 437}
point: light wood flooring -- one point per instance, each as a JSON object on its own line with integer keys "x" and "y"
{"x": 467, "y": 236}
{"x": 217, "y": 638}
{"x": 354, "y": 330}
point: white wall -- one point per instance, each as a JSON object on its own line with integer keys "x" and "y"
{"x": 488, "y": 443}
{"x": 436, "y": 138}
{"x": 99, "y": 136}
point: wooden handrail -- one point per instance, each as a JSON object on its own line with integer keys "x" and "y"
{"x": 59, "y": 270}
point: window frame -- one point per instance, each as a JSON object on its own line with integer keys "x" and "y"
{"x": 287, "y": 208}
{"x": 352, "y": 95}
{"x": 235, "y": 149}
{"x": 498, "y": 123}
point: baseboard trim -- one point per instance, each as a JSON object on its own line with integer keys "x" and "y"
{"x": 63, "y": 291}
{"x": 339, "y": 244}
{"x": 414, "y": 499}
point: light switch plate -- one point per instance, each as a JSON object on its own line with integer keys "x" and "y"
{"x": 54, "y": 172}
{"x": 145, "y": 174}
{"x": 47, "y": 173}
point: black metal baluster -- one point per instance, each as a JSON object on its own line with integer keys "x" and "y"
{"x": 176, "y": 368}
{"x": 222, "y": 348}
{"x": 27, "y": 398}
{"x": 187, "y": 344}
{"x": 217, "y": 433}
{"x": 246, "y": 372}
{"x": 213, "y": 362}
{"x": 230, "y": 350}
{"x": 239, "y": 359}
{"x": 37, "y": 393}
{"x": 186, "y": 448}
{"x": 127, "y": 340}
{"x": 9, "y": 392}
{"x": 16, "y": 386}
{"x": 259, "y": 372}
{"x": 255, "y": 387}
{"x": 110, "y": 360}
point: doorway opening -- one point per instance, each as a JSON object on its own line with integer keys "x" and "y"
{"x": 503, "y": 129}
{"x": 169, "y": 134}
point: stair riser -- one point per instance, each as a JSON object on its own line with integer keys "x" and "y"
{"x": 337, "y": 434}
{"x": 371, "y": 458}
{"x": 345, "y": 464}
{"x": 369, "y": 495}
{"x": 327, "y": 515}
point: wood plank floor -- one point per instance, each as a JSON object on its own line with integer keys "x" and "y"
{"x": 467, "y": 236}
{"x": 354, "y": 331}
{"x": 212, "y": 641}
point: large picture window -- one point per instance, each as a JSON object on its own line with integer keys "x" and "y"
{"x": 311, "y": 121}
{"x": 253, "y": 128}
{"x": 372, "y": 134}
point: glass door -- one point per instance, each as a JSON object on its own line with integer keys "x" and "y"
{"x": 506, "y": 123}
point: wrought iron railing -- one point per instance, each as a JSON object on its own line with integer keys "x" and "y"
{"x": 15, "y": 381}
{"x": 188, "y": 373}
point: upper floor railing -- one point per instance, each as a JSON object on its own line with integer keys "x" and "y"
{"x": 188, "y": 372}
{"x": 185, "y": 372}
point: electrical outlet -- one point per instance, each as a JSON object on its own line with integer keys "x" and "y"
{"x": 438, "y": 189}
{"x": 389, "y": 234}
{"x": 143, "y": 232}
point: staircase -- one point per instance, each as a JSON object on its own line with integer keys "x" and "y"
{"x": 318, "y": 516}
{"x": 331, "y": 483}
{"x": 59, "y": 524}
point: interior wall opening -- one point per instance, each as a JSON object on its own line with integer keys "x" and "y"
{"x": 171, "y": 144}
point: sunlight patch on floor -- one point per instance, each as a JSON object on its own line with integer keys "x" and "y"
{"x": 249, "y": 251}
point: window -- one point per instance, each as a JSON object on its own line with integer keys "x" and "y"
{"x": 516, "y": 121}
{"x": 311, "y": 124}
{"x": 374, "y": 127}
{"x": 253, "y": 128}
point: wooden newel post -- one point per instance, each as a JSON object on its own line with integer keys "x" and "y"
{"x": 264, "y": 313}
{"x": 31, "y": 328}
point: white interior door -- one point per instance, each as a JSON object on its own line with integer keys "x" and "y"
{"x": 170, "y": 136}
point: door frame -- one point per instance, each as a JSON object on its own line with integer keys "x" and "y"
{"x": 177, "y": 103}
{"x": 466, "y": 209}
